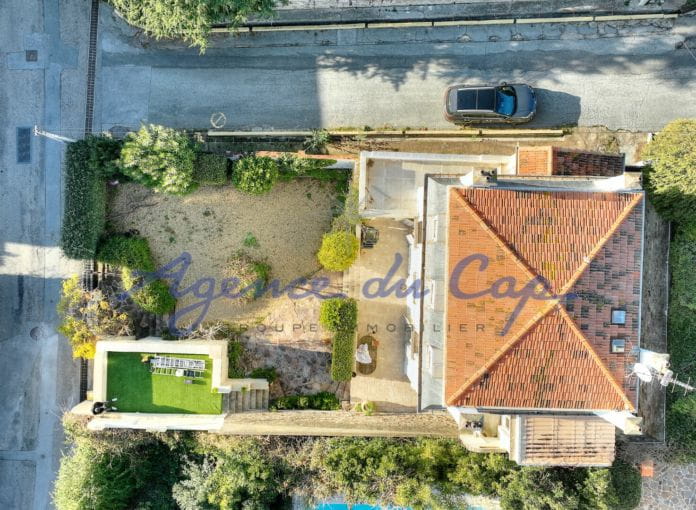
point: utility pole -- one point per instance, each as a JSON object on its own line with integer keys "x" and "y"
{"x": 40, "y": 132}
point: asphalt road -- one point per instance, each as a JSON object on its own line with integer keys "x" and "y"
{"x": 39, "y": 377}
{"x": 628, "y": 75}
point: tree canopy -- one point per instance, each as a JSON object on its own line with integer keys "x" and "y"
{"x": 190, "y": 20}
{"x": 670, "y": 178}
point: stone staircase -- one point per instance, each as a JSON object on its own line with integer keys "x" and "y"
{"x": 246, "y": 400}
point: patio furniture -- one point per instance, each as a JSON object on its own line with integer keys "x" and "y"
{"x": 371, "y": 343}
{"x": 368, "y": 236}
{"x": 171, "y": 362}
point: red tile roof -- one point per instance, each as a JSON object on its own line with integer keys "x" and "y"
{"x": 580, "y": 162}
{"x": 547, "y": 160}
{"x": 551, "y": 353}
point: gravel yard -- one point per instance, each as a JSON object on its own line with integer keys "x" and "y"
{"x": 213, "y": 223}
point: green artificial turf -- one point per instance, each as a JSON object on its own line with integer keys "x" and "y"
{"x": 137, "y": 390}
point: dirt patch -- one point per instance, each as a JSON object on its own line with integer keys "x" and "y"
{"x": 213, "y": 223}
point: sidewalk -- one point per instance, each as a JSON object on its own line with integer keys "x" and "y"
{"x": 347, "y": 11}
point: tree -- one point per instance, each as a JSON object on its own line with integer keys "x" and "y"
{"x": 338, "y": 250}
{"x": 255, "y": 175}
{"x": 481, "y": 473}
{"x": 160, "y": 158}
{"x": 190, "y": 20}
{"x": 190, "y": 493}
{"x": 671, "y": 176}
{"x": 537, "y": 489}
{"x": 84, "y": 316}
{"x": 91, "y": 480}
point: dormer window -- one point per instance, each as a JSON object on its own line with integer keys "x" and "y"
{"x": 618, "y": 316}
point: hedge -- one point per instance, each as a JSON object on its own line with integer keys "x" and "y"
{"x": 343, "y": 356}
{"x": 87, "y": 163}
{"x": 322, "y": 401}
{"x": 627, "y": 483}
{"x": 132, "y": 253}
{"x": 339, "y": 314}
{"x": 210, "y": 169}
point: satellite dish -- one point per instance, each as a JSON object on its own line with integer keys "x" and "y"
{"x": 643, "y": 372}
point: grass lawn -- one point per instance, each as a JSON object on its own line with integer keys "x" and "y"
{"x": 137, "y": 390}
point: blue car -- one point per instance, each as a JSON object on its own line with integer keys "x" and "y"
{"x": 506, "y": 103}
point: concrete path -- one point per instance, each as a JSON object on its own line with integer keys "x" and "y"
{"x": 39, "y": 376}
{"x": 618, "y": 74}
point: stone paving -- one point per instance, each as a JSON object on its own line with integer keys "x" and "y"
{"x": 291, "y": 340}
{"x": 299, "y": 370}
{"x": 672, "y": 487}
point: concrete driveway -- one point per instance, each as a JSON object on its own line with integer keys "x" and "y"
{"x": 618, "y": 74}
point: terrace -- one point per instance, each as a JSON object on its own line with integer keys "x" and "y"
{"x": 157, "y": 384}
{"x": 137, "y": 389}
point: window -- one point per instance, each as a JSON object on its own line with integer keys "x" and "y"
{"x": 618, "y": 316}
{"x": 618, "y": 345}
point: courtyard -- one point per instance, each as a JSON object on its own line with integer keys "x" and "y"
{"x": 281, "y": 229}
{"x": 383, "y": 318}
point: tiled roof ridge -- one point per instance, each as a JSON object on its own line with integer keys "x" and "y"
{"x": 600, "y": 244}
{"x": 503, "y": 351}
{"x": 554, "y": 303}
{"x": 588, "y": 346}
{"x": 528, "y": 270}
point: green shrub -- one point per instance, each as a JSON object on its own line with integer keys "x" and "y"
{"x": 291, "y": 165}
{"x": 210, "y": 169}
{"x": 160, "y": 158}
{"x": 367, "y": 408}
{"x": 126, "y": 251}
{"x": 253, "y": 275}
{"x": 350, "y": 216}
{"x": 339, "y": 314}
{"x": 627, "y": 485}
{"x": 153, "y": 297}
{"x": 132, "y": 253}
{"x": 322, "y": 401}
{"x": 87, "y": 163}
{"x": 235, "y": 351}
{"x": 316, "y": 142}
{"x": 268, "y": 373}
{"x": 338, "y": 250}
{"x": 343, "y": 356}
{"x": 250, "y": 241}
{"x": 190, "y": 20}
{"x": 671, "y": 177}
{"x": 255, "y": 175}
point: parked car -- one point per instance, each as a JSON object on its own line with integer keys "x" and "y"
{"x": 506, "y": 103}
